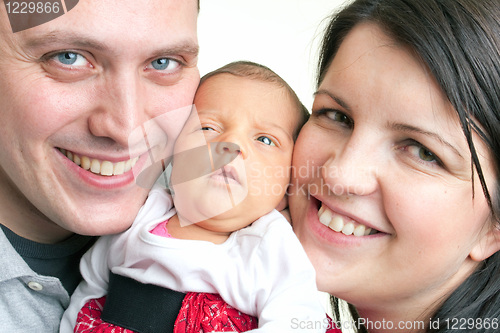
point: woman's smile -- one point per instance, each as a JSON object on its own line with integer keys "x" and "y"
{"x": 391, "y": 190}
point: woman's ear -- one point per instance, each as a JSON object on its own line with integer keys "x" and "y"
{"x": 487, "y": 245}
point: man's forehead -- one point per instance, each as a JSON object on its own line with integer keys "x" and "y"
{"x": 85, "y": 28}
{"x": 102, "y": 19}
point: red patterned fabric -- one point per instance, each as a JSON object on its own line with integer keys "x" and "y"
{"x": 199, "y": 313}
{"x": 208, "y": 313}
{"x": 89, "y": 319}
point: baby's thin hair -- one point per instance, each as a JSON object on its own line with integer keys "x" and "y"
{"x": 252, "y": 70}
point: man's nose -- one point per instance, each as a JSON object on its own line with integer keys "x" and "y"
{"x": 121, "y": 107}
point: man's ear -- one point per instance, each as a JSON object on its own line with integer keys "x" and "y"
{"x": 487, "y": 245}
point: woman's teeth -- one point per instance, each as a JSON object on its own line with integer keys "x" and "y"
{"x": 337, "y": 223}
{"x": 104, "y": 168}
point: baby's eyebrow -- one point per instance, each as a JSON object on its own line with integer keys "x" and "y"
{"x": 278, "y": 128}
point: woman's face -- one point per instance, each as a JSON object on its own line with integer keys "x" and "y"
{"x": 382, "y": 193}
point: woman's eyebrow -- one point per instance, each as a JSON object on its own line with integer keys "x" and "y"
{"x": 338, "y": 100}
{"x": 412, "y": 129}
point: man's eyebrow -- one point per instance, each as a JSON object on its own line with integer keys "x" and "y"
{"x": 75, "y": 40}
{"x": 412, "y": 129}
{"x": 338, "y": 100}
{"x": 59, "y": 37}
{"x": 184, "y": 47}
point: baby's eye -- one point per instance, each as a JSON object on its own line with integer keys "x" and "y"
{"x": 165, "y": 64}
{"x": 207, "y": 128}
{"x": 70, "y": 59}
{"x": 265, "y": 140}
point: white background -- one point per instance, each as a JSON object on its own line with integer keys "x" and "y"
{"x": 281, "y": 34}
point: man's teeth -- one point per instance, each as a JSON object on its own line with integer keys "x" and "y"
{"x": 104, "y": 168}
{"x": 337, "y": 223}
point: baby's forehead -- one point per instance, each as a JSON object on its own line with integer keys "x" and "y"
{"x": 224, "y": 77}
{"x": 251, "y": 94}
{"x": 270, "y": 91}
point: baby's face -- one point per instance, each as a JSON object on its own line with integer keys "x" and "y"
{"x": 248, "y": 123}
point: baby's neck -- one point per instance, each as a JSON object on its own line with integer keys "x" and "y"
{"x": 194, "y": 231}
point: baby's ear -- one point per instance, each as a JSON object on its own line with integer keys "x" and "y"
{"x": 487, "y": 245}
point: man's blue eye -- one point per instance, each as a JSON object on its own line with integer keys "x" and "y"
{"x": 265, "y": 140}
{"x": 161, "y": 64}
{"x": 68, "y": 58}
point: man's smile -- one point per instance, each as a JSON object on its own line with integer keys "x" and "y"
{"x": 100, "y": 167}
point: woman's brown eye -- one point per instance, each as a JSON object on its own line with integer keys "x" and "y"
{"x": 422, "y": 153}
{"x": 426, "y": 155}
{"x": 340, "y": 117}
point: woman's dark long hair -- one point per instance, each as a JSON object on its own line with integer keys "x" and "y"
{"x": 459, "y": 41}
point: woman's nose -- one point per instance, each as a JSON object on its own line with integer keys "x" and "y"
{"x": 351, "y": 170}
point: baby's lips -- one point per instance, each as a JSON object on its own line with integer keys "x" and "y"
{"x": 191, "y": 164}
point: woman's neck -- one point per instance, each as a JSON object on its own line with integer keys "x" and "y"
{"x": 393, "y": 321}
{"x": 413, "y": 312}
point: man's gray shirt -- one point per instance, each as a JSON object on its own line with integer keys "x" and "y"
{"x": 30, "y": 302}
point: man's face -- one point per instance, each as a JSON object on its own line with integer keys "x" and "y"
{"x": 72, "y": 91}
